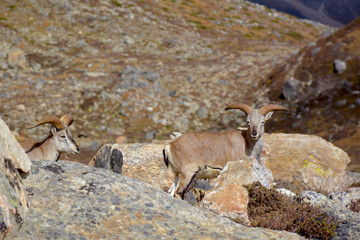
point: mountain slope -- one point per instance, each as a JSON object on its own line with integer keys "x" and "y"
{"x": 323, "y": 101}
{"x": 138, "y": 69}
{"x": 331, "y": 12}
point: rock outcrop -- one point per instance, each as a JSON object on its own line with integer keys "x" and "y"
{"x": 11, "y": 149}
{"x": 76, "y": 201}
{"x": 349, "y": 222}
{"x": 227, "y": 196}
{"x": 143, "y": 161}
{"x": 296, "y": 157}
{"x": 306, "y": 158}
{"x": 14, "y": 204}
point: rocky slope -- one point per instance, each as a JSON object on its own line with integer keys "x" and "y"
{"x": 122, "y": 67}
{"x": 321, "y": 84}
{"x": 138, "y": 71}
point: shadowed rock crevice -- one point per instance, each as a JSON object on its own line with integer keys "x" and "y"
{"x": 109, "y": 158}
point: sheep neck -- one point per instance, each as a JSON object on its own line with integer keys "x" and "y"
{"x": 254, "y": 148}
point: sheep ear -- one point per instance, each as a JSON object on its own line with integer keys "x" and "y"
{"x": 53, "y": 130}
{"x": 268, "y": 115}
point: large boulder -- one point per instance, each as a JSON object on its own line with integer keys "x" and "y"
{"x": 227, "y": 196}
{"x": 14, "y": 203}
{"x": 306, "y": 158}
{"x": 11, "y": 149}
{"x": 143, "y": 161}
{"x": 295, "y": 157}
{"x": 229, "y": 201}
{"x": 76, "y": 201}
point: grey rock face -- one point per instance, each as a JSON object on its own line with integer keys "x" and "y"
{"x": 14, "y": 204}
{"x": 75, "y": 201}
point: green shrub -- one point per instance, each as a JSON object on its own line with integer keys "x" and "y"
{"x": 269, "y": 209}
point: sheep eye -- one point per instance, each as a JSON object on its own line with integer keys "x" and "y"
{"x": 63, "y": 136}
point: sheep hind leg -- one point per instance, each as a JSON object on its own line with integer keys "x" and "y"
{"x": 175, "y": 185}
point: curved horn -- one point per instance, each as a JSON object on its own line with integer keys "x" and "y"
{"x": 67, "y": 119}
{"x": 271, "y": 107}
{"x": 242, "y": 106}
{"x": 50, "y": 119}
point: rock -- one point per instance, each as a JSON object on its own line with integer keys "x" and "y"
{"x": 339, "y": 66}
{"x": 202, "y": 112}
{"x": 16, "y": 57}
{"x": 315, "y": 51}
{"x": 4, "y": 66}
{"x": 245, "y": 172}
{"x": 172, "y": 93}
{"x": 341, "y": 103}
{"x": 76, "y": 201}
{"x": 229, "y": 201}
{"x": 349, "y": 226}
{"x": 128, "y": 40}
{"x": 96, "y": 74}
{"x": 143, "y": 161}
{"x": 121, "y": 139}
{"x": 286, "y": 192}
{"x": 352, "y": 178}
{"x": 357, "y": 101}
{"x": 222, "y": 82}
{"x": 308, "y": 159}
{"x": 109, "y": 158}
{"x": 290, "y": 89}
{"x": 151, "y": 76}
{"x": 346, "y": 197}
{"x": 150, "y": 135}
{"x": 11, "y": 149}
{"x": 20, "y": 107}
{"x": 226, "y": 195}
{"x": 14, "y": 204}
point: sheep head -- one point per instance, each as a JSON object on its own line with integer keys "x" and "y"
{"x": 256, "y": 118}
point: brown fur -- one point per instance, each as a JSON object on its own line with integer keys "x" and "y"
{"x": 193, "y": 149}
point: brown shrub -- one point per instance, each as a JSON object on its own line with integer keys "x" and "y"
{"x": 269, "y": 209}
{"x": 355, "y": 206}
